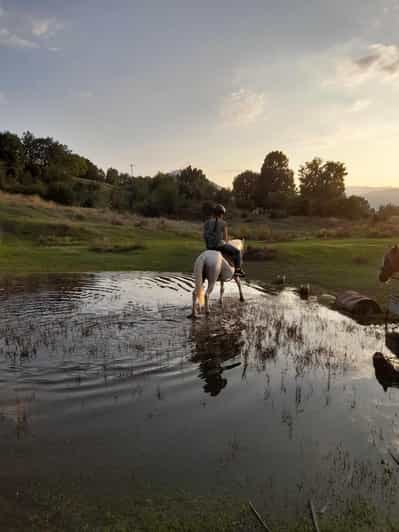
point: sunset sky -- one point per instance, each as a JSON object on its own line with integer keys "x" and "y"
{"x": 216, "y": 84}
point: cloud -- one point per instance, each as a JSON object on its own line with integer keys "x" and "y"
{"x": 45, "y": 27}
{"x": 380, "y": 62}
{"x": 1, "y": 11}
{"x": 381, "y": 58}
{"x": 359, "y": 105}
{"x": 11, "y": 40}
{"x": 3, "y": 98}
{"x": 390, "y": 6}
{"x": 243, "y": 107}
{"x": 85, "y": 94}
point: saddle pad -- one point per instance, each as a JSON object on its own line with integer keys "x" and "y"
{"x": 228, "y": 259}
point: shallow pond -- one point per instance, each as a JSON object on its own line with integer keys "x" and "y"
{"x": 103, "y": 378}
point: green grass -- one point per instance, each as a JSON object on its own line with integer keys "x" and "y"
{"x": 45, "y": 509}
{"x": 332, "y": 265}
{"x": 37, "y": 236}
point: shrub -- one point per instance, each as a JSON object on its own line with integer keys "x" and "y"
{"x": 60, "y": 193}
{"x": 338, "y": 232}
{"x": 260, "y": 254}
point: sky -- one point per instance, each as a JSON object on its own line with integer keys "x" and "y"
{"x": 216, "y": 84}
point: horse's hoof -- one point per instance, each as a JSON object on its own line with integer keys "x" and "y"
{"x": 242, "y": 300}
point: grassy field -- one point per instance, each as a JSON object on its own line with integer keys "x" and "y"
{"x": 38, "y": 236}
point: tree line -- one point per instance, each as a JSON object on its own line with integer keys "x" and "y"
{"x": 44, "y": 166}
{"x": 321, "y": 190}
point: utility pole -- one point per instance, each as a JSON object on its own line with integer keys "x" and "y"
{"x": 131, "y": 169}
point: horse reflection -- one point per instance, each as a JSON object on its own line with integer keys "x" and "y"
{"x": 392, "y": 341}
{"x": 386, "y": 370}
{"x": 217, "y": 341}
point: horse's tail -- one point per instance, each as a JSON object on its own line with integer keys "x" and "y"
{"x": 199, "y": 291}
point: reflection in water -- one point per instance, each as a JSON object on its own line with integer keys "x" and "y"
{"x": 108, "y": 365}
{"x": 215, "y": 342}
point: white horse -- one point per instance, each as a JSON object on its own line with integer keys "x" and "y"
{"x": 213, "y": 267}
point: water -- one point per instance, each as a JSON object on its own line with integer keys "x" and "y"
{"x": 103, "y": 378}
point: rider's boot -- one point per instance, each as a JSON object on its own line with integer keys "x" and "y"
{"x": 239, "y": 272}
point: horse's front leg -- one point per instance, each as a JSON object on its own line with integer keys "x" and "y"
{"x": 238, "y": 282}
{"x": 221, "y": 292}
{"x": 194, "y": 306}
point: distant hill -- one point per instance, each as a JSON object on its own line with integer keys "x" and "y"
{"x": 376, "y": 196}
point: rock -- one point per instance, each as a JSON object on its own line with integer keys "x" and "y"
{"x": 327, "y": 299}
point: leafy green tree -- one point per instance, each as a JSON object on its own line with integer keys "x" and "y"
{"x": 193, "y": 184}
{"x": 112, "y": 176}
{"x": 77, "y": 165}
{"x": 385, "y": 212}
{"x": 60, "y": 193}
{"x": 124, "y": 179}
{"x": 11, "y": 154}
{"x": 276, "y": 185}
{"x": 3, "y": 181}
{"x": 322, "y": 186}
{"x": 92, "y": 172}
{"x": 224, "y": 196}
{"x": 28, "y": 142}
{"x": 245, "y": 189}
{"x": 164, "y": 196}
{"x": 356, "y": 208}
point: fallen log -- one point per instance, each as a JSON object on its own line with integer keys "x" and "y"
{"x": 357, "y": 304}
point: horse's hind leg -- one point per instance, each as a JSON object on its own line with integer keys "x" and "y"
{"x": 221, "y": 292}
{"x": 238, "y": 282}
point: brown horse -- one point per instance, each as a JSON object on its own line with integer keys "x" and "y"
{"x": 390, "y": 264}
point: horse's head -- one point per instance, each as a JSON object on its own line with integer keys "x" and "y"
{"x": 238, "y": 244}
{"x": 390, "y": 264}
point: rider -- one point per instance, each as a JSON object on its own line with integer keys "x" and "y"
{"x": 216, "y": 237}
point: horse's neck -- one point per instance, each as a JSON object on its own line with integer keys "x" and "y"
{"x": 236, "y": 243}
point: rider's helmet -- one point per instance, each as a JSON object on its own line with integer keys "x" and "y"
{"x": 219, "y": 209}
